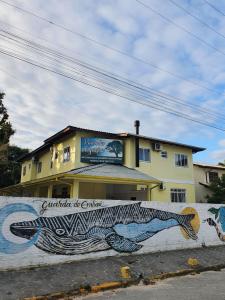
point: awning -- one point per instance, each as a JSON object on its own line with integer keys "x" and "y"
{"x": 105, "y": 173}
{"x": 109, "y": 172}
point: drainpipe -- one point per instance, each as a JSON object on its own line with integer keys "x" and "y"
{"x": 137, "y": 125}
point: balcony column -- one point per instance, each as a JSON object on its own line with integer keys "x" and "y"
{"x": 37, "y": 191}
{"x": 149, "y": 193}
{"x": 74, "y": 191}
{"x": 50, "y": 189}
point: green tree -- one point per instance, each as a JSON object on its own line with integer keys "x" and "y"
{"x": 6, "y": 130}
{"x": 10, "y": 169}
{"x": 217, "y": 189}
{"x": 10, "y": 172}
{"x": 115, "y": 147}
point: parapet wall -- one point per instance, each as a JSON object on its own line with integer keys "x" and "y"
{"x": 40, "y": 231}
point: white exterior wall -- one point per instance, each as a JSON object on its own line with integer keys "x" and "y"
{"x": 12, "y": 210}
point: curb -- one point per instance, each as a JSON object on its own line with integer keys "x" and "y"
{"x": 83, "y": 290}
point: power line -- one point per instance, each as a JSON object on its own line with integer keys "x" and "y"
{"x": 163, "y": 95}
{"x": 180, "y": 27}
{"x": 23, "y": 84}
{"x": 154, "y": 96}
{"x": 92, "y": 40}
{"x": 46, "y": 40}
{"x": 106, "y": 80}
{"x": 197, "y": 18}
{"x": 110, "y": 90}
{"x": 188, "y": 81}
{"x": 215, "y": 8}
{"x": 115, "y": 77}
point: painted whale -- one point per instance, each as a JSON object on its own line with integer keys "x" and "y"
{"x": 119, "y": 227}
{"x": 218, "y": 222}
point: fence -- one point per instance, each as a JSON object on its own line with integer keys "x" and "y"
{"x": 40, "y": 231}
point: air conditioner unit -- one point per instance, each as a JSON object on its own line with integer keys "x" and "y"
{"x": 162, "y": 186}
{"x": 143, "y": 189}
{"x": 157, "y": 147}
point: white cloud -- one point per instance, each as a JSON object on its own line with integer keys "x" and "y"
{"x": 218, "y": 155}
{"x": 41, "y": 103}
{"x": 222, "y": 143}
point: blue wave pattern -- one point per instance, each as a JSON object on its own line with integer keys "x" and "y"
{"x": 133, "y": 230}
{"x": 7, "y": 246}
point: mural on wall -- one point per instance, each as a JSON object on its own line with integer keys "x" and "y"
{"x": 218, "y": 221}
{"x": 7, "y": 246}
{"x": 120, "y": 227}
{"x": 195, "y": 222}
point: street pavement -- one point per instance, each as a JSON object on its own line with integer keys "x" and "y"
{"x": 207, "y": 285}
{"x": 70, "y": 277}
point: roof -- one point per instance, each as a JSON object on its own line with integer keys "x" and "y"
{"x": 116, "y": 171}
{"x": 71, "y": 129}
{"x": 211, "y": 166}
{"x": 194, "y": 148}
{"x": 63, "y": 134}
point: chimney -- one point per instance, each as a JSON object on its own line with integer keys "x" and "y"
{"x": 137, "y": 125}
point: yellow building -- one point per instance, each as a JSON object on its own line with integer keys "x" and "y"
{"x": 89, "y": 164}
{"x": 204, "y": 175}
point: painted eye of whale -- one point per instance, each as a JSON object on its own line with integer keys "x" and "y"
{"x": 60, "y": 231}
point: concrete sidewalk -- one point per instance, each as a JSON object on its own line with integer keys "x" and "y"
{"x": 71, "y": 277}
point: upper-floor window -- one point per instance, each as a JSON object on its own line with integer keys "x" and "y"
{"x": 144, "y": 154}
{"x": 66, "y": 154}
{"x": 24, "y": 170}
{"x": 164, "y": 154}
{"x": 178, "y": 195}
{"x": 181, "y": 160}
{"x": 212, "y": 176}
{"x": 39, "y": 167}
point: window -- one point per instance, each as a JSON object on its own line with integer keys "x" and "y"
{"x": 66, "y": 154}
{"x": 181, "y": 160}
{"x": 163, "y": 154}
{"x": 24, "y": 170}
{"x": 51, "y": 164}
{"x": 39, "y": 167}
{"x": 144, "y": 154}
{"x": 212, "y": 176}
{"x": 178, "y": 195}
{"x": 56, "y": 155}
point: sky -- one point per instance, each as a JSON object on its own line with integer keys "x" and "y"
{"x": 41, "y": 103}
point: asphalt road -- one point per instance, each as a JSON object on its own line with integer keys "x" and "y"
{"x": 207, "y": 286}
